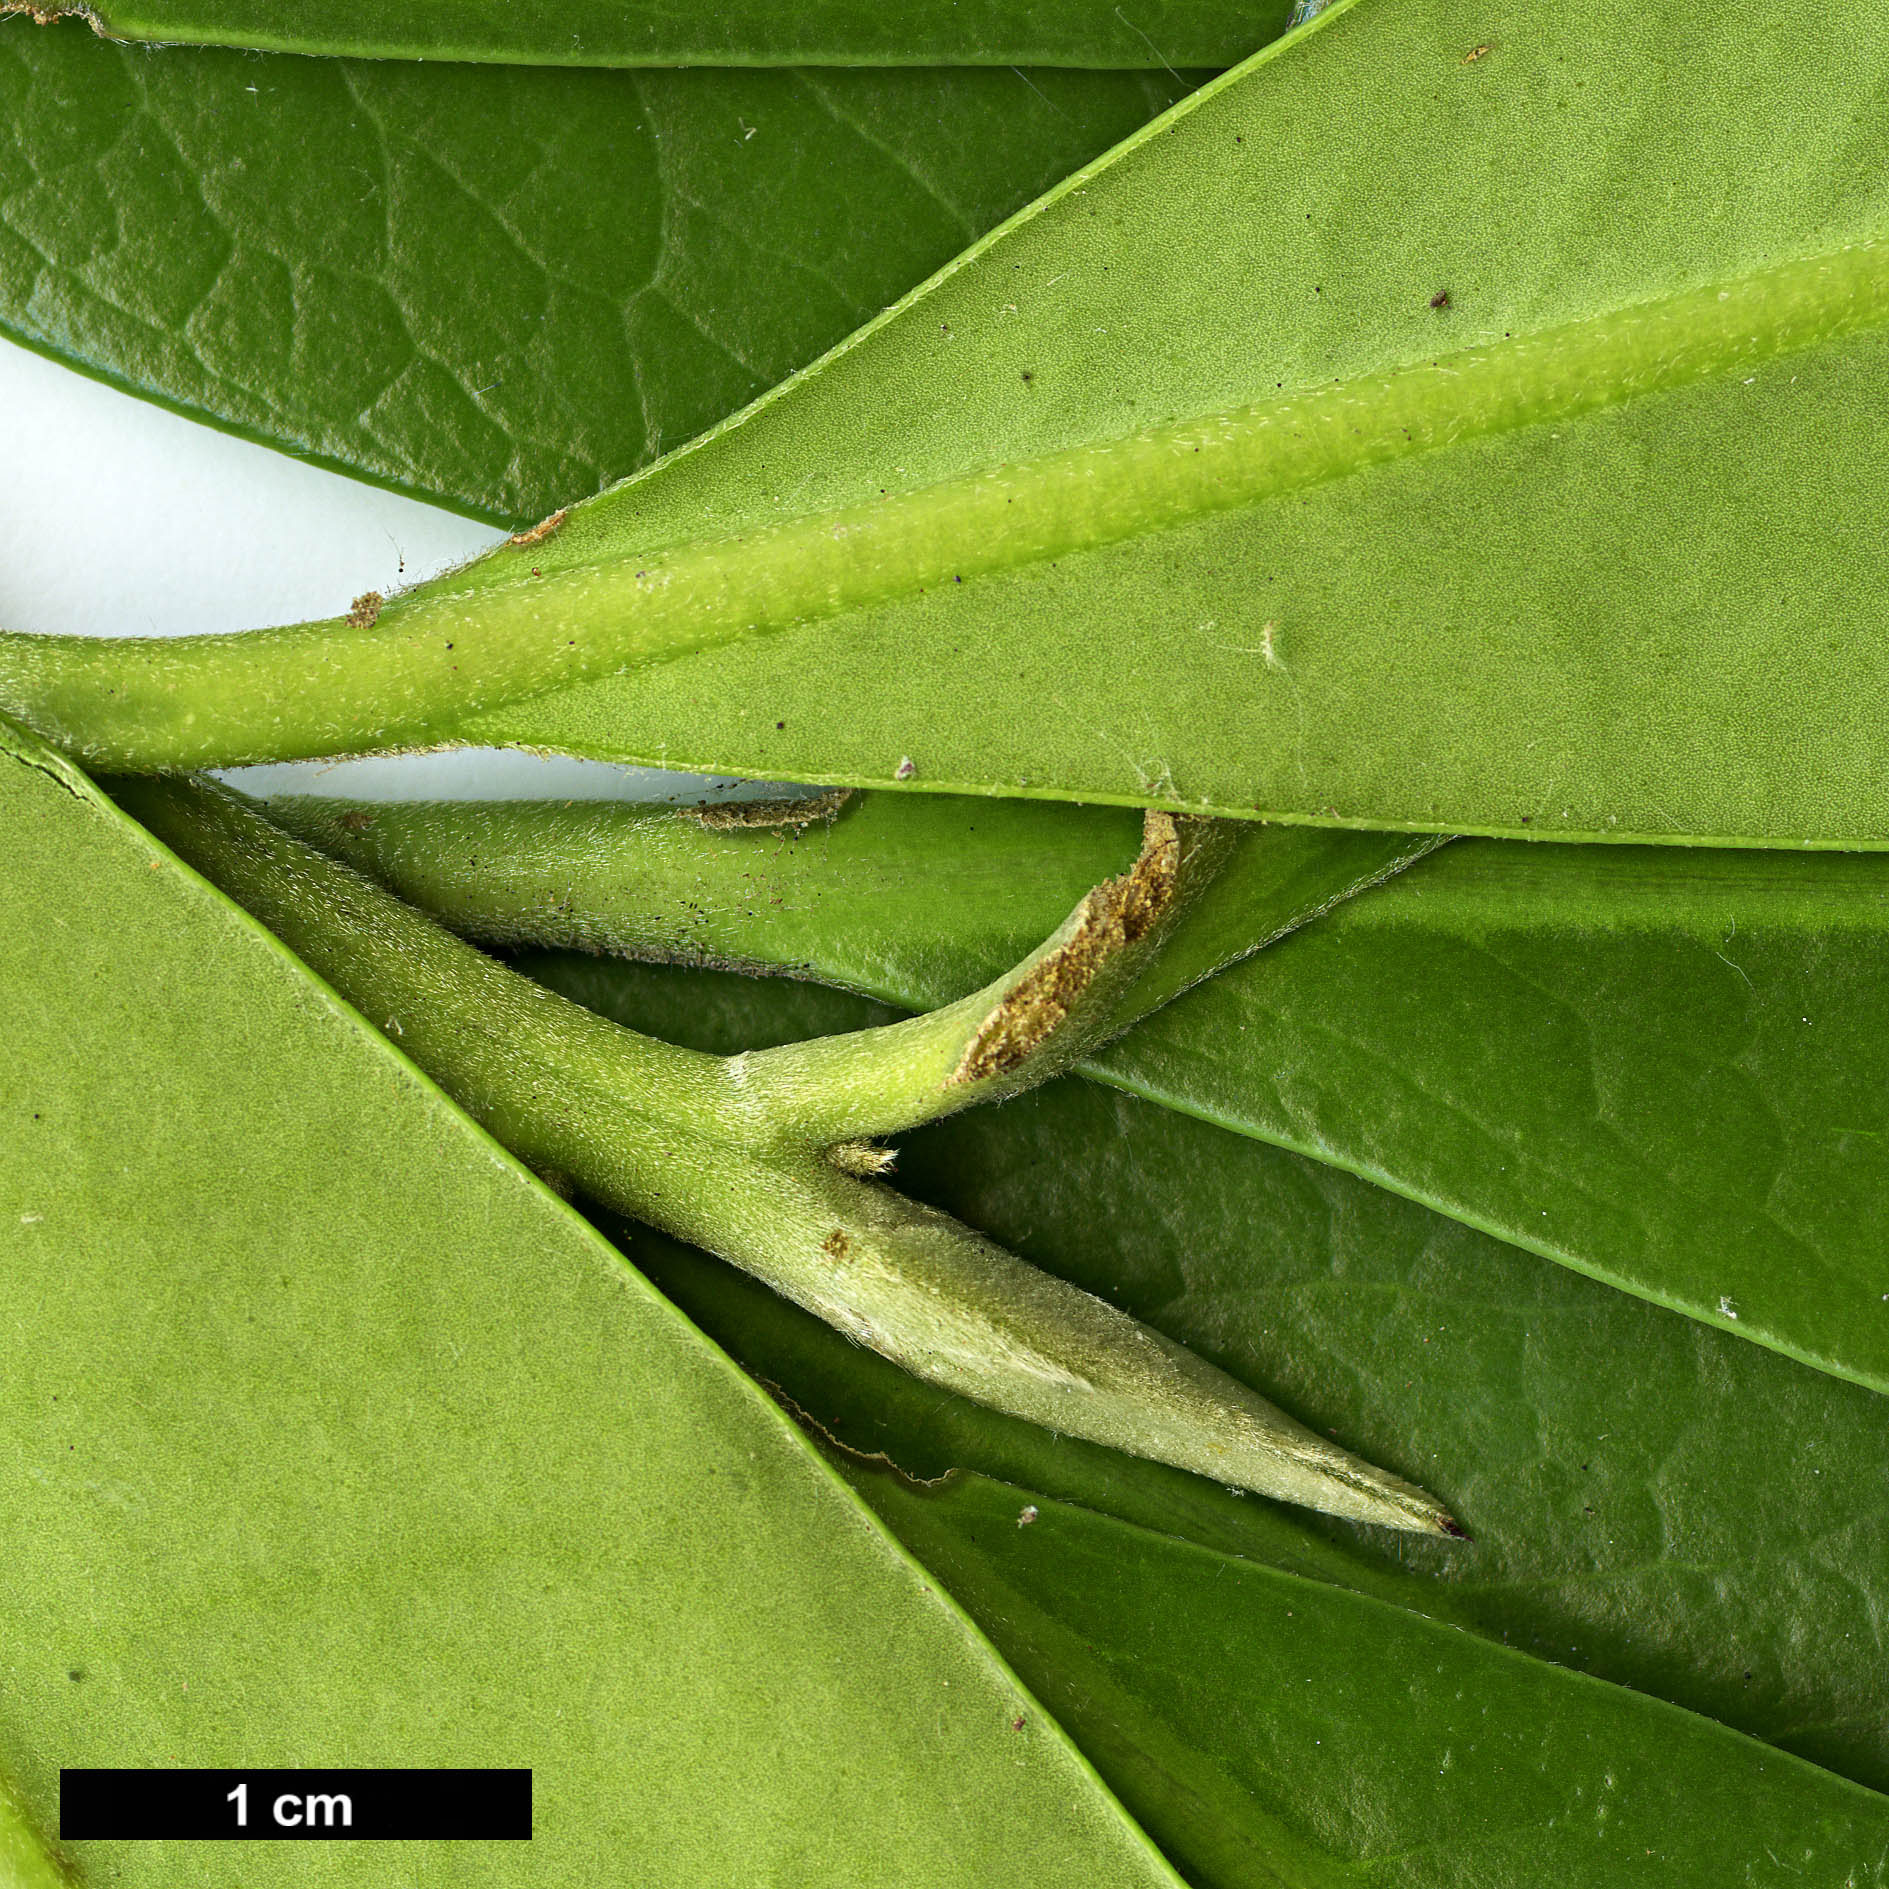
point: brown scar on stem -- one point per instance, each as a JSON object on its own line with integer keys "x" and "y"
{"x": 365, "y": 610}
{"x": 731, "y": 815}
{"x": 1117, "y": 914}
{"x": 541, "y": 530}
{"x": 836, "y": 1245}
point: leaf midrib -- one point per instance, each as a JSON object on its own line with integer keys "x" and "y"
{"x": 1488, "y": 889}
{"x": 1083, "y": 498}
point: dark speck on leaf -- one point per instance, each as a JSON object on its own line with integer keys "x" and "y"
{"x": 780, "y": 724}
{"x": 1028, "y": 376}
{"x": 77, "y": 1673}
{"x": 1441, "y": 299}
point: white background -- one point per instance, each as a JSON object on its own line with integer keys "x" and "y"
{"x": 117, "y": 518}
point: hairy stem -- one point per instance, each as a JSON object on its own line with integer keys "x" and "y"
{"x": 735, "y": 1154}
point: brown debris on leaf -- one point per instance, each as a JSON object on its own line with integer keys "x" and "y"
{"x": 730, "y": 816}
{"x": 1117, "y": 914}
{"x": 365, "y": 610}
{"x": 540, "y": 531}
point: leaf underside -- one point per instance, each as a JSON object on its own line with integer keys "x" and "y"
{"x": 329, "y": 1431}
{"x": 1209, "y": 1774}
{"x": 1631, "y": 607}
{"x": 1156, "y": 34}
{"x": 161, "y": 229}
{"x": 1616, "y": 595}
{"x": 1592, "y": 569}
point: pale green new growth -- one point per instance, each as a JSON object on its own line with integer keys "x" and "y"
{"x": 757, "y": 1157}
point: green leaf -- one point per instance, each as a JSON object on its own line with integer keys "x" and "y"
{"x": 332, "y": 1438}
{"x": 25, "y": 1860}
{"x": 1658, "y": 1067}
{"x": 652, "y": 250}
{"x": 1291, "y": 561}
{"x": 1652, "y": 1065}
{"x": 916, "y": 900}
{"x": 1652, "y": 1501}
{"x": 771, "y": 1160}
{"x": 1282, "y": 1731}
{"x": 1580, "y": 550}
{"x": 1158, "y": 34}
{"x": 892, "y": 895}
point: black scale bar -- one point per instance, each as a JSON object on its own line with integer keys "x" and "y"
{"x": 295, "y": 1806}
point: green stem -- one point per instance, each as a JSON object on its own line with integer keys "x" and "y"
{"x": 735, "y": 1155}
{"x": 910, "y": 898}
{"x": 1075, "y": 991}
{"x": 412, "y": 672}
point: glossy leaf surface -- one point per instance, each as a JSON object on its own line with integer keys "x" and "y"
{"x": 1287, "y": 1732}
{"x": 331, "y": 1437}
{"x": 1536, "y": 355}
{"x": 1157, "y": 34}
{"x": 162, "y": 228}
{"x": 1659, "y": 1067}
{"x": 1652, "y": 1502}
{"x": 1650, "y": 1064}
